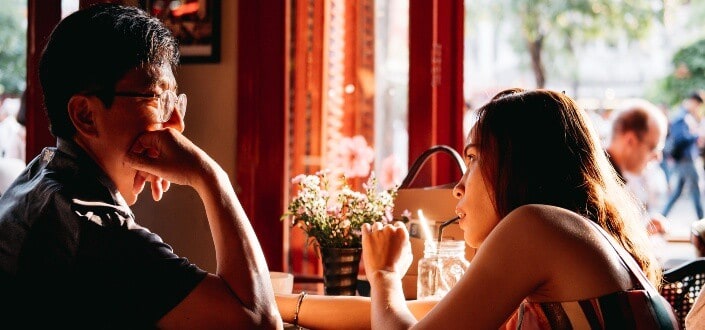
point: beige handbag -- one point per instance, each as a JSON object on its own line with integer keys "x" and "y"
{"x": 437, "y": 205}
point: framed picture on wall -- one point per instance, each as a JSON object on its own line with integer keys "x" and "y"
{"x": 194, "y": 23}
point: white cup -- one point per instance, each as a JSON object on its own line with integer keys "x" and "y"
{"x": 282, "y": 282}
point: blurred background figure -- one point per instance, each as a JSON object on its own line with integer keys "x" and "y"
{"x": 10, "y": 168}
{"x": 682, "y": 147}
{"x": 12, "y": 142}
{"x": 12, "y": 133}
{"x": 637, "y": 137}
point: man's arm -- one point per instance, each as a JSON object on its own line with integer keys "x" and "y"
{"x": 240, "y": 293}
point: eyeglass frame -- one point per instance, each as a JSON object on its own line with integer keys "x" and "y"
{"x": 180, "y": 101}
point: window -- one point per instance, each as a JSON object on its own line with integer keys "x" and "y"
{"x": 349, "y": 79}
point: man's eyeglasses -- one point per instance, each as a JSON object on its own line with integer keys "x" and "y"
{"x": 168, "y": 101}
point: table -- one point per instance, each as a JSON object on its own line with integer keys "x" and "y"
{"x": 314, "y": 285}
{"x": 673, "y": 250}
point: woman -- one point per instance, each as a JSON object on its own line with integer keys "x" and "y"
{"x": 538, "y": 201}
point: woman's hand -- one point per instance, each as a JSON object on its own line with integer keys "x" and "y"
{"x": 386, "y": 248}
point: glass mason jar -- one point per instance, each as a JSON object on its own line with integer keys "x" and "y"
{"x": 441, "y": 267}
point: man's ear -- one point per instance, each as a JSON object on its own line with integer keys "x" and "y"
{"x": 632, "y": 138}
{"x": 81, "y": 115}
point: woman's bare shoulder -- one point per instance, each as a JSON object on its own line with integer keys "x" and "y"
{"x": 546, "y": 228}
{"x": 538, "y": 217}
{"x": 562, "y": 249}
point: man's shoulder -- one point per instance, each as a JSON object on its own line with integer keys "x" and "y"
{"x": 678, "y": 120}
{"x": 49, "y": 187}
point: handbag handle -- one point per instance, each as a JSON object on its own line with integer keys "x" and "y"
{"x": 421, "y": 160}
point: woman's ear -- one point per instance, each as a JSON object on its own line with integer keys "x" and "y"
{"x": 81, "y": 115}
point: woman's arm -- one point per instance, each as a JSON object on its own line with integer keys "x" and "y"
{"x": 387, "y": 255}
{"x": 338, "y": 312}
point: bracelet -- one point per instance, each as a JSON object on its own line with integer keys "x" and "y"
{"x": 298, "y": 307}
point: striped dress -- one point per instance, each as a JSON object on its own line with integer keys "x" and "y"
{"x": 620, "y": 310}
{"x": 639, "y": 308}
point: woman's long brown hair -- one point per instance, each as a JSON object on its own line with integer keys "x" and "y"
{"x": 540, "y": 148}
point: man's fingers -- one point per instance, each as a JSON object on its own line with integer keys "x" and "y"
{"x": 157, "y": 191}
{"x": 165, "y": 185}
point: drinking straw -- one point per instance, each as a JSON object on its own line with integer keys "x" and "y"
{"x": 443, "y": 225}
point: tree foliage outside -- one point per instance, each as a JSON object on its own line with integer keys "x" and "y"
{"x": 688, "y": 75}
{"x": 697, "y": 12}
{"x": 13, "y": 46}
{"x": 688, "y": 64}
{"x": 549, "y": 29}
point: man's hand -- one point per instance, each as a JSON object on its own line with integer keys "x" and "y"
{"x": 158, "y": 185}
{"x": 166, "y": 156}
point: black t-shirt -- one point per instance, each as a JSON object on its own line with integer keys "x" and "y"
{"x": 72, "y": 255}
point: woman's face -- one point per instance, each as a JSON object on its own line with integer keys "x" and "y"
{"x": 477, "y": 213}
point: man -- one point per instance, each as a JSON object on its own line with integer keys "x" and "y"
{"x": 71, "y": 253}
{"x": 638, "y": 134}
{"x": 683, "y": 139}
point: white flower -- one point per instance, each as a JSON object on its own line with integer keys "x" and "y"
{"x": 336, "y": 221}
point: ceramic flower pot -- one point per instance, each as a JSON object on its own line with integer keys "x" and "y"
{"x": 340, "y": 268}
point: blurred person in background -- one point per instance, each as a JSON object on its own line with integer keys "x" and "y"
{"x": 12, "y": 143}
{"x": 638, "y": 135}
{"x": 682, "y": 147}
{"x": 12, "y": 133}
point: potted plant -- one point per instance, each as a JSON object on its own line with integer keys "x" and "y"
{"x": 331, "y": 214}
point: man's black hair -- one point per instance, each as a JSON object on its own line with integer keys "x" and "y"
{"x": 92, "y": 49}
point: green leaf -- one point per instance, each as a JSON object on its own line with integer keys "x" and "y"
{"x": 13, "y": 45}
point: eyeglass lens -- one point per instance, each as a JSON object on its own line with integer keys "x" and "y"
{"x": 171, "y": 101}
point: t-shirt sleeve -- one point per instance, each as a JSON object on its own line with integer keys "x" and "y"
{"x": 162, "y": 279}
{"x": 135, "y": 273}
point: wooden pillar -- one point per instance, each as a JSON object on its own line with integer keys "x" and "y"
{"x": 42, "y": 16}
{"x": 435, "y": 84}
{"x": 263, "y": 100}
{"x": 304, "y": 135}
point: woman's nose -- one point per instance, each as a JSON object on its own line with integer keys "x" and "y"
{"x": 458, "y": 191}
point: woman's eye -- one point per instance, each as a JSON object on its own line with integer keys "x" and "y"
{"x": 469, "y": 158}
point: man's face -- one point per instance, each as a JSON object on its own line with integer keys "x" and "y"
{"x": 128, "y": 117}
{"x": 645, "y": 149}
{"x": 693, "y": 106}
